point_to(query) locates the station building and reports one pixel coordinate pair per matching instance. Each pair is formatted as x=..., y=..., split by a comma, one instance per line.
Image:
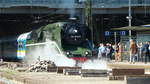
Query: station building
x=19, y=16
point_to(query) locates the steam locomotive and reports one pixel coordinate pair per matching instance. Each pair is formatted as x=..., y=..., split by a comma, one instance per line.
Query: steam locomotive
x=72, y=37
x=76, y=42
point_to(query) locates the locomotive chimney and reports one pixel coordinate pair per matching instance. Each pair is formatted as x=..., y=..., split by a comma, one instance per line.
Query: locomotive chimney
x=73, y=19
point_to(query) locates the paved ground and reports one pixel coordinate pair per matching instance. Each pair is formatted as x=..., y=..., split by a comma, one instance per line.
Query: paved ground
x=53, y=78
x=6, y=81
x=126, y=65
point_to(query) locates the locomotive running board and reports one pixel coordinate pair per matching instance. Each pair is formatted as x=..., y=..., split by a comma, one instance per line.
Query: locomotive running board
x=36, y=44
x=44, y=43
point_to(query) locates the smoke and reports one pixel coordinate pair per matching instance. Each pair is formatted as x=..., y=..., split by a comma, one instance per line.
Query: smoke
x=95, y=64
x=50, y=51
x=70, y=5
x=47, y=51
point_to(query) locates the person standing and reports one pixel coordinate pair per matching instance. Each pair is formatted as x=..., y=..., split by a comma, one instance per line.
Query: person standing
x=101, y=51
x=120, y=51
x=133, y=51
x=146, y=52
x=117, y=53
x=140, y=53
x=109, y=50
x=149, y=48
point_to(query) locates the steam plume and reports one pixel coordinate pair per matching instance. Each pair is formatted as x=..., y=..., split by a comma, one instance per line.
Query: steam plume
x=70, y=5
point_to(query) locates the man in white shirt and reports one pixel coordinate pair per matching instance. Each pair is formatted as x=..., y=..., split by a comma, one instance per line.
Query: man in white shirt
x=101, y=51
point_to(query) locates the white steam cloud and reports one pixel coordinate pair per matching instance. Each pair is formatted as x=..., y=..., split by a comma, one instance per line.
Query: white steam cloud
x=47, y=51
x=70, y=5
x=50, y=51
x=95, y=64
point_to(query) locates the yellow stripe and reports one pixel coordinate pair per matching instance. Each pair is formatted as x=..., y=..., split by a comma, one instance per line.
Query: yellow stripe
x=20, y=50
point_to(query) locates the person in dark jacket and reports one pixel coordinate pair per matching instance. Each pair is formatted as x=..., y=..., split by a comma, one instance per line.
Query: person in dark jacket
x=149, y=47
x=109, y=51
x=145, y=50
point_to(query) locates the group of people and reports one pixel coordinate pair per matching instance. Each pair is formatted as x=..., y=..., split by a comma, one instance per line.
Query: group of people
x=109, y=52
x=105, y=52
x=140, y=51
x=135, y=51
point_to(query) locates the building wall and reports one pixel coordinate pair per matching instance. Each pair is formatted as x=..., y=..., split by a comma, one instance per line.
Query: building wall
x=78, y=3
x=107, y=14
x=45, y=6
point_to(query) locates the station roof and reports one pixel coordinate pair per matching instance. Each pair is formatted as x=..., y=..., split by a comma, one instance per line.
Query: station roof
x=133, y=28
x=148, y=25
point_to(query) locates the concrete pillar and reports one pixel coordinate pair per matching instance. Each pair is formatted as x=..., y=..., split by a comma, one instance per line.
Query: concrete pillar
x=81, y=16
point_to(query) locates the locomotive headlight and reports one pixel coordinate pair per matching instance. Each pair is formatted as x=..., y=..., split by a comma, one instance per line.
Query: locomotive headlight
x=75, y=31
x=86, y=53
x=68, y=53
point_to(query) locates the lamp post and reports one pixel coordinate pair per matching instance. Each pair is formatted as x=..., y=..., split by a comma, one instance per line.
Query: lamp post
x=88, y=17
x=129, y=17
